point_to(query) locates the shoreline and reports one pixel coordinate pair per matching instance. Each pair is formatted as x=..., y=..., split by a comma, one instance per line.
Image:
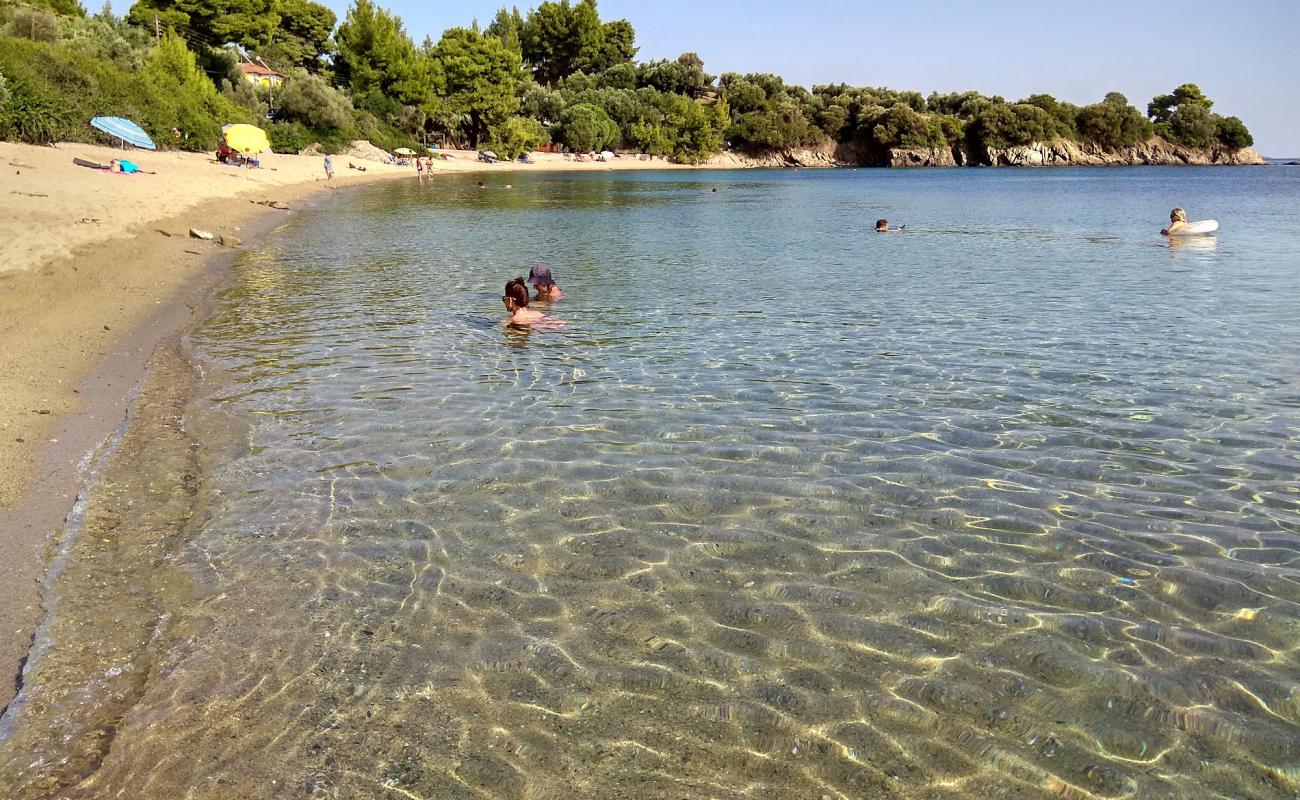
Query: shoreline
x=80, y=320
x=78, y=334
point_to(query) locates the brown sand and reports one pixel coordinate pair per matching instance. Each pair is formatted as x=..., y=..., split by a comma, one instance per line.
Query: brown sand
x=95, y=270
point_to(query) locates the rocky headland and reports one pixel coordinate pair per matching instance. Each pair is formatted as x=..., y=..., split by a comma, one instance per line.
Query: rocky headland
x=1054, y=153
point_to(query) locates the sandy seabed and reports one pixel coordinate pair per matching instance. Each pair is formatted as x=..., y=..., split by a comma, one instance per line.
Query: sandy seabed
x=97, y=268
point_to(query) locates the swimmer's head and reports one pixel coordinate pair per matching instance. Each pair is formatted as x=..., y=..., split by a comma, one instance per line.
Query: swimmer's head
x=516, y=295
x=1178, y=215
x=882, y=224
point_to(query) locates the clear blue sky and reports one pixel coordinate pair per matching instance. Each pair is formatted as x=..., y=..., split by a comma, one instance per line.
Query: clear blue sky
x=1244, y=55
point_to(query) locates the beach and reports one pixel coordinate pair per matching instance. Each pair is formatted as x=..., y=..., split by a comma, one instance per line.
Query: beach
x=96, y=269
x=785, y=505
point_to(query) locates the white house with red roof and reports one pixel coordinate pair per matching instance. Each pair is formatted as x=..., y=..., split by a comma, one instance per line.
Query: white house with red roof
x=260, y=74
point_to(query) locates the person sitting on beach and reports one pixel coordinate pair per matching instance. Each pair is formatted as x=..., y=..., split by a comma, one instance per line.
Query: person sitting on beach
x=516, y=300
x=540, y=277
x=882, y=226
x=1177, y=219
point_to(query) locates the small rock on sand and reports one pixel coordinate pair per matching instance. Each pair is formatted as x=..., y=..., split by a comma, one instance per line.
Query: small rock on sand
x=198, y=234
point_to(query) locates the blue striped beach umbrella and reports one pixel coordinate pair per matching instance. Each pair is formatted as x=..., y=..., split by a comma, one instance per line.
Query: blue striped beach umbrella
x=124, y=129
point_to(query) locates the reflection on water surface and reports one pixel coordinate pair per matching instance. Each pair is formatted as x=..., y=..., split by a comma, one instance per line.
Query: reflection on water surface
x=788, y=510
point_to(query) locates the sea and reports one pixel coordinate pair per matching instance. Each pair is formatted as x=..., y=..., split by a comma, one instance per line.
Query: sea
x=1005, y=504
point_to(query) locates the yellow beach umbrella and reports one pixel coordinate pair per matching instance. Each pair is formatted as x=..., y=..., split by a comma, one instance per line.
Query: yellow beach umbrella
x=246, y=138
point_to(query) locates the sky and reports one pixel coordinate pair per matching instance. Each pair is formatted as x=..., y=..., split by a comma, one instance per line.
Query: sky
x=1244, y=55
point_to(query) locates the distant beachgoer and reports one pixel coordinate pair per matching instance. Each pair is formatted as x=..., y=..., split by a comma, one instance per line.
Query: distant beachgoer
x=329, y=167
x=1177, y=219
x=482, y=185
x=882, y=226
x=419, y=167
x=516, y=300
x=713, y=191
x=122, y=165
x=542, y=280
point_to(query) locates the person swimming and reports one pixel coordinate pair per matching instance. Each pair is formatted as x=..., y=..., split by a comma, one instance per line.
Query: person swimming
x=882, y=226
x=540, y=277
x=1177, y=219
x=516, y=300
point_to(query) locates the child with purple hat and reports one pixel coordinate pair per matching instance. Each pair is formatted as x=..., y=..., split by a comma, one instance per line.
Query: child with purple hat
x=540, y=278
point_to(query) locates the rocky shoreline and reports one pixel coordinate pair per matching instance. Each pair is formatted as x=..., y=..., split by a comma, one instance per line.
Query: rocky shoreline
x=1054, y=153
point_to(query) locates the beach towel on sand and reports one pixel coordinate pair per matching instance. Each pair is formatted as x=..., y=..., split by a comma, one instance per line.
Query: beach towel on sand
x=133, y=168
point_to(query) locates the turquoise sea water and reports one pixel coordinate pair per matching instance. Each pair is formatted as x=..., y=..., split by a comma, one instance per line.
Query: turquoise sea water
x=1005, y=505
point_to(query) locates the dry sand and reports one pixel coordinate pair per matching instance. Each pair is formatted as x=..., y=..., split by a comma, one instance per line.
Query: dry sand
x=95, y=269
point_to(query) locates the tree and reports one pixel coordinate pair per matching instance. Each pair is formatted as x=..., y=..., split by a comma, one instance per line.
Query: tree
x=1002, y=126
x=303, y=37
x=694, y=80
x=200, y=109
x=1062, y=116
x=1162, y=107
x=586, y=128
x=508, y=26
x=619, y=46
x=559, y=39
x=902, y=126
x=1113, y=123
x=67, y=8
x=619, y=76
x=1232, y=133
x=1191, y=125
x=696, y=129
x=477, y=75
x=376, y=59
x=211, y=23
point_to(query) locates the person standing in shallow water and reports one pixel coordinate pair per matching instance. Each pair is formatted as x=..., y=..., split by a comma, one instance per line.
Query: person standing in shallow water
x=540, y=277
x=329, y=166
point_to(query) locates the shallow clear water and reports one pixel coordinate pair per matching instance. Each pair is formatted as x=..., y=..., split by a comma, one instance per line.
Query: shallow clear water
x=1005, y=505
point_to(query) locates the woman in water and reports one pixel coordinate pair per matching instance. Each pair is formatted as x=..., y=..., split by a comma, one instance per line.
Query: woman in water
x=516, y=300
x=540, y=277
x=1177, y=219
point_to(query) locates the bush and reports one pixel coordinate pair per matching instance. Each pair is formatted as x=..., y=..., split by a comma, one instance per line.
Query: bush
x=55, y=90
x=586, y=128
x=243, y=94
x=113, y=40
x=314, y=103
x=289, y=137
x=516, y=136
x=27, y=22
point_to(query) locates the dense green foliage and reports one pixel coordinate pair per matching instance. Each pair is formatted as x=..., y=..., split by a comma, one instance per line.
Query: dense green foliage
x=54, y=90
x=557, y=73
x=1184, y=117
